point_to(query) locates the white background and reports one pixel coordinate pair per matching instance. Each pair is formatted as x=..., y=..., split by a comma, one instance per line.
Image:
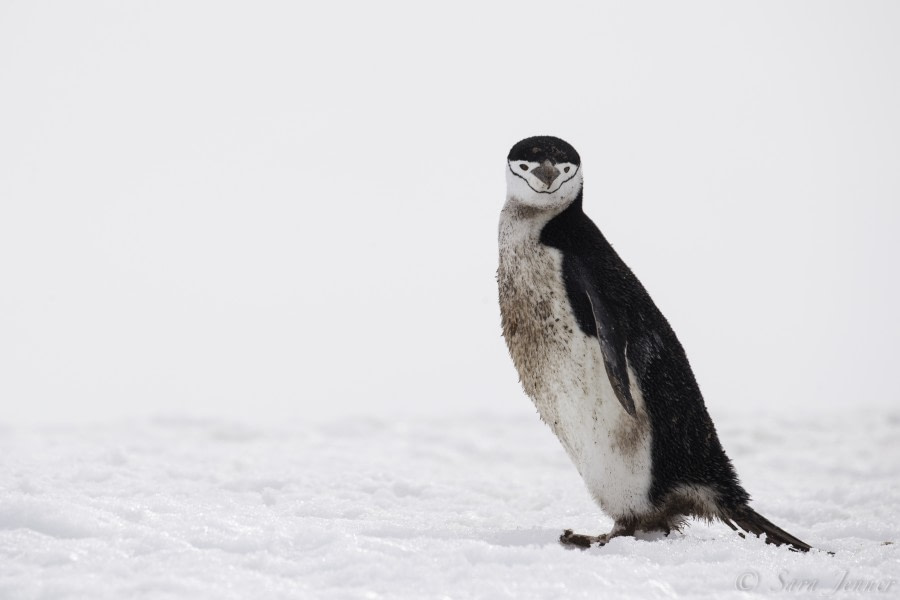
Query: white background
x=267, y=210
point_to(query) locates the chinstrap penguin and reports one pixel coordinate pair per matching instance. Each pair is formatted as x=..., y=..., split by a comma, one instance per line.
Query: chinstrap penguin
x=602, y=364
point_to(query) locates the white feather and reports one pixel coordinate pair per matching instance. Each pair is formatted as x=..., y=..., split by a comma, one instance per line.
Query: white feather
x=561, y=368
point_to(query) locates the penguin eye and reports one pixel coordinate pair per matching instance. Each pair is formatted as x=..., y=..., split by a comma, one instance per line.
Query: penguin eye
x=566, y=170
x=523, y=166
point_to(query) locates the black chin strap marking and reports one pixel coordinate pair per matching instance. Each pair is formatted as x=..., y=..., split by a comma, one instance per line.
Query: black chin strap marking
x=509, y=166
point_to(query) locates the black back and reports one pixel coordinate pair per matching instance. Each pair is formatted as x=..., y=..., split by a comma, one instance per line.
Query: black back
x=685, y=447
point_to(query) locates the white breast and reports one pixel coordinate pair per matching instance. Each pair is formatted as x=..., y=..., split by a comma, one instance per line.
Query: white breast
x=562, y=371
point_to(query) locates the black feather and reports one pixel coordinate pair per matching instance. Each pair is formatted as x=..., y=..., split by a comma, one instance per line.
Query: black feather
x=752, y=522
x=685, y=448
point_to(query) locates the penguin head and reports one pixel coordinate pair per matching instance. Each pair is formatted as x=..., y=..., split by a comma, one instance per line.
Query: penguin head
x=543, y=173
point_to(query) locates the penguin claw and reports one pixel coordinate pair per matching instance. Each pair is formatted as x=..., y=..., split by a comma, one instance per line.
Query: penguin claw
x=570, y=538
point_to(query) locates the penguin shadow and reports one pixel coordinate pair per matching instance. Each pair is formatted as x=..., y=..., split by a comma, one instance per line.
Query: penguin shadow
x=523, y=537
x=508, y=538
x=574, y=541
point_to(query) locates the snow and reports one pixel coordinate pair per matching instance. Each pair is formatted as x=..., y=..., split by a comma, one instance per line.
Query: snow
x=427, y=507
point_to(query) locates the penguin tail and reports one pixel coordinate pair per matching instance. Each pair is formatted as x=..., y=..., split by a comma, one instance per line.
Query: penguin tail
x=749, y=520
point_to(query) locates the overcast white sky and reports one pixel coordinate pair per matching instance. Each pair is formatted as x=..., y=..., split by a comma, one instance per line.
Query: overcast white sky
x=272, y=210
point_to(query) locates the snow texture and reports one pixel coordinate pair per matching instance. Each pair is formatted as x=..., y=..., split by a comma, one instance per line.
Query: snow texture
x=426, y=508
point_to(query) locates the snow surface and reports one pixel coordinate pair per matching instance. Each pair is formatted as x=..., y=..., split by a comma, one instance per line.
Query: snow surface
x=426, y=508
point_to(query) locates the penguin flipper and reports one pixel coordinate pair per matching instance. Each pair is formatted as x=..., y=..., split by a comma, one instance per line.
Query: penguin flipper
x=612, y=346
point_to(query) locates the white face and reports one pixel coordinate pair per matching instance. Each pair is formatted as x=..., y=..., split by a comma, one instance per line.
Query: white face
x=543, y=186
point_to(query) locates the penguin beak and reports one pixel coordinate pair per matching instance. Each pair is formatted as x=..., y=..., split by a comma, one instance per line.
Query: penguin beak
x=546, y=173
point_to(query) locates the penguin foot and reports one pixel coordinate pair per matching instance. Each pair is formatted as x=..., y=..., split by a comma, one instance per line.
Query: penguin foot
x=570, y=538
